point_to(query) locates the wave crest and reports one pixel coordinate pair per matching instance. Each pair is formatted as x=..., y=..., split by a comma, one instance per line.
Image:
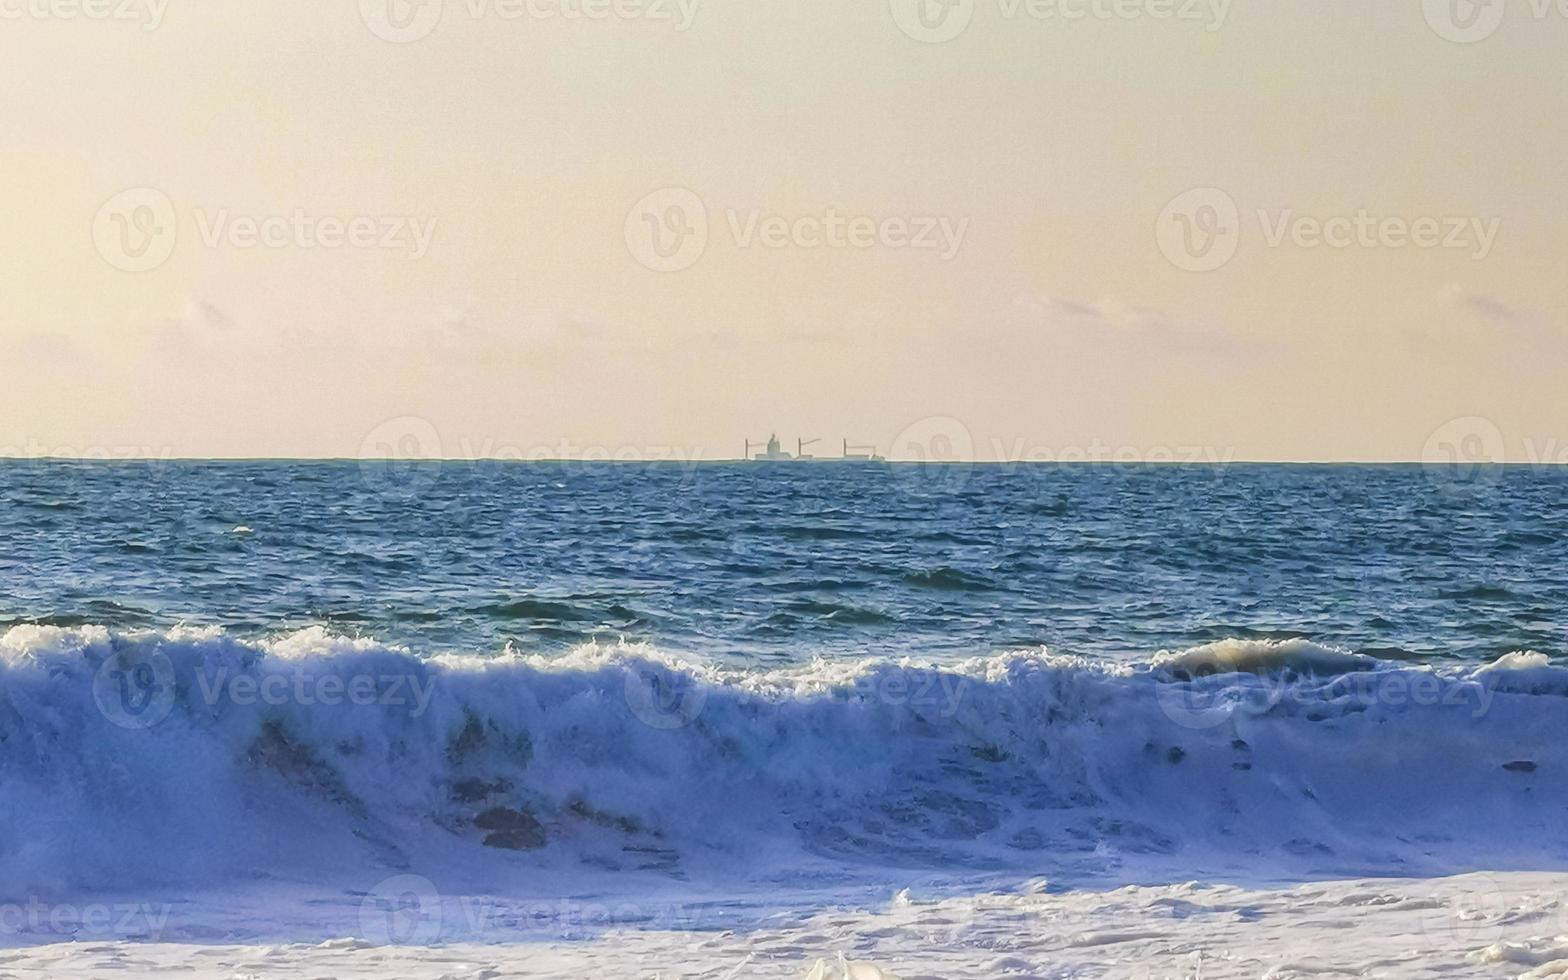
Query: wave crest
x=191, y=755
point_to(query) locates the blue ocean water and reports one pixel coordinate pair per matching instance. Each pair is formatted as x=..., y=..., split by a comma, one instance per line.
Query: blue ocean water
x=772, y=564
x=568, y=679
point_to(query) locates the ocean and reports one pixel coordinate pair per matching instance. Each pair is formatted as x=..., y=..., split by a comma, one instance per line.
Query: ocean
x=779, y=720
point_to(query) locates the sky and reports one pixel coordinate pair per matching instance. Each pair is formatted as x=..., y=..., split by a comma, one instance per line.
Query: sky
x=988, y=229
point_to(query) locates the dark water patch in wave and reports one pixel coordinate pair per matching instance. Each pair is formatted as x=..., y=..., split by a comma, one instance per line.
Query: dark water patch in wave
x=820, y=532
x=1519, y=539
x=627, y=615
x=101, y=612
x=817, y=585
x=418, y=615
x=690, y=534
x=355, y=616
x=1485, y=593
x=66, y=505
x=540, y=609
x=952, y=537
x=839, y=613
x=949, y=580
x=1058, y=508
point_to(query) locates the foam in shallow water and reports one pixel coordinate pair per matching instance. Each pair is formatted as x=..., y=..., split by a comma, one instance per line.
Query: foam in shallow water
x=1503, y=925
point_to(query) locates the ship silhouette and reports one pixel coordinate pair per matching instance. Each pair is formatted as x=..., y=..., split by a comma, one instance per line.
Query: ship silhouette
x=776, y=453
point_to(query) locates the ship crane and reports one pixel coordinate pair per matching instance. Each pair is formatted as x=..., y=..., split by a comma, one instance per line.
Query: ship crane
x=861, y=454
x=800, y=447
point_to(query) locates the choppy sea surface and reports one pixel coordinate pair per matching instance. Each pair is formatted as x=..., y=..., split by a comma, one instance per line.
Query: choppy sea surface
x=749, y=688
x=775, y=564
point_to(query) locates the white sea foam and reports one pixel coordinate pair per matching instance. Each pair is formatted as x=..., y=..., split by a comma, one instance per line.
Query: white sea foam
x=189, y=758
x=1476, y=926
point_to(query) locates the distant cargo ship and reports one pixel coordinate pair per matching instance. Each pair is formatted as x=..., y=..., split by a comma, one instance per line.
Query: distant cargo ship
x=775, y=453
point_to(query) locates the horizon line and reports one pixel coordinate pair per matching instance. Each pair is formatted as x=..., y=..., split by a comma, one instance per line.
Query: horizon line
x=792, y=463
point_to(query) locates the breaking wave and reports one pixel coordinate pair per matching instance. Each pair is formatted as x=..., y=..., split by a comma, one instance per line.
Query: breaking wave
x=191, y=756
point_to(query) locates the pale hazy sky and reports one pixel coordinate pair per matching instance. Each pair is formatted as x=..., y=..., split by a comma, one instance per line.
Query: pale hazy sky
x=971, y=225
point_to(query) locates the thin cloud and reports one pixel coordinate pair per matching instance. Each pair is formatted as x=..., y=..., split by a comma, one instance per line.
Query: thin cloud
x=1487, y=307
x=1121, y=322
